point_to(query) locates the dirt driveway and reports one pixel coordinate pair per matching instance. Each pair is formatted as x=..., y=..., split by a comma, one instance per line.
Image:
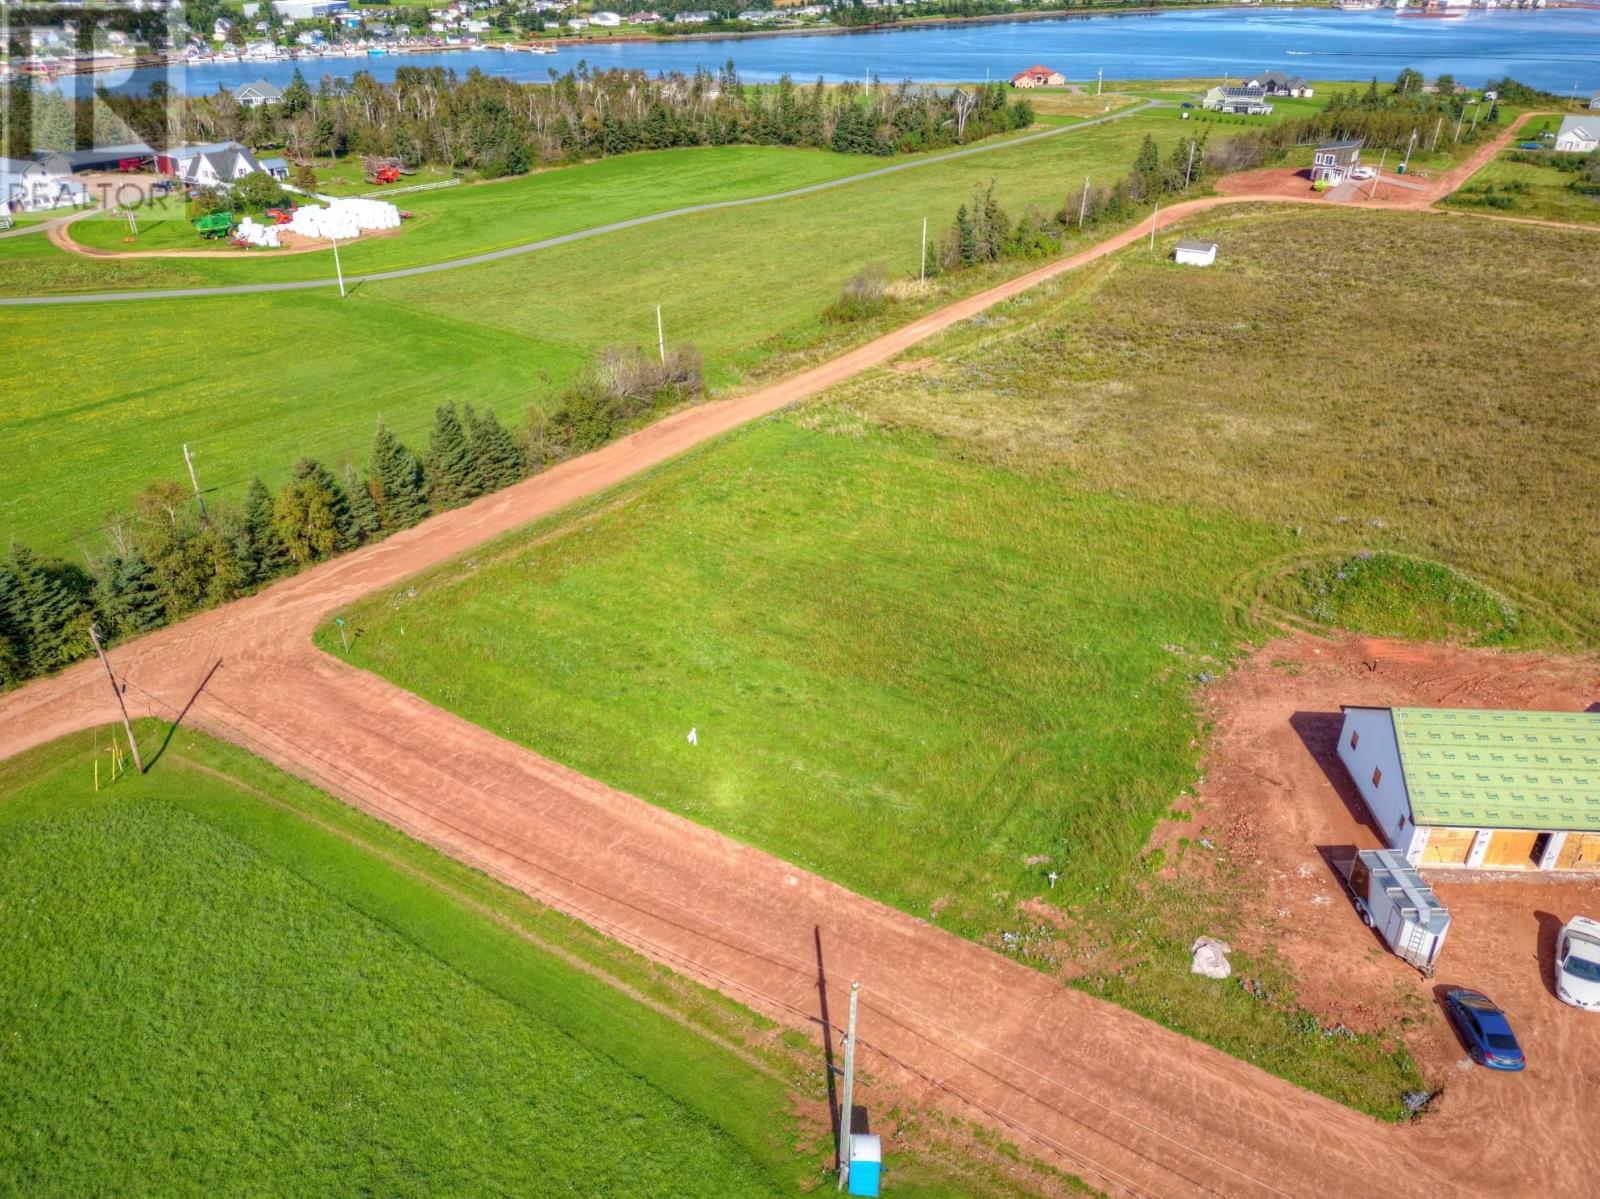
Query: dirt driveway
x=1276, y=794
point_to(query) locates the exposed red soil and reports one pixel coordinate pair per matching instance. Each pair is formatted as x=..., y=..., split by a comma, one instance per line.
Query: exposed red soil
x=1133, y=1108
x=1278, y=799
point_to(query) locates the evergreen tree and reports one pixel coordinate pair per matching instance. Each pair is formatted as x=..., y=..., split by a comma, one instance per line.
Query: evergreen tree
x=966, y=238
x=337, y=501
x=130, y=596
x=1147, y=168
x=453, y=474
x=260, y=549
x=364, y=522
x=399, y=487
x=56, y=612
x=499, y=456
x=13, y=633
x=297, y=96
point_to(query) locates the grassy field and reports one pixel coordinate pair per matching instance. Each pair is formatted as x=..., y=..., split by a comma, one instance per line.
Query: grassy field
x=1526, y=190
x=944, y=631
x=253, y=382
x=217, y=979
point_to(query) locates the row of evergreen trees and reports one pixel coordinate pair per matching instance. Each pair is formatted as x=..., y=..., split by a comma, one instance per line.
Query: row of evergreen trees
x=496, y=126
x=171, y=557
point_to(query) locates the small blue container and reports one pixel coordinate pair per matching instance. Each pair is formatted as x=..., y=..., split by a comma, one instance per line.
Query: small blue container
x=866, y=1163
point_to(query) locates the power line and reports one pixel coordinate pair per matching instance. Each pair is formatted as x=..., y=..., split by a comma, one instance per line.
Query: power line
x=803, y=967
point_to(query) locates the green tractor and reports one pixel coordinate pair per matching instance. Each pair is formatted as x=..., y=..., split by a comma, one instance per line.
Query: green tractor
x=215, y=224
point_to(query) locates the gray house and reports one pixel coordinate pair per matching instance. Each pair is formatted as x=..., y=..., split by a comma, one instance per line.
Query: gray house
x=257, y=94
x=1334, y=161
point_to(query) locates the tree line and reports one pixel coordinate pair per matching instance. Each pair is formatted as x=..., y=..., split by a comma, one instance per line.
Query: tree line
x=173, y=555
x=498, y=127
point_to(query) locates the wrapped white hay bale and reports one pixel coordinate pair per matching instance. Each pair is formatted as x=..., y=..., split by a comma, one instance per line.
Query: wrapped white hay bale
x=254, y=234
x=344, y=218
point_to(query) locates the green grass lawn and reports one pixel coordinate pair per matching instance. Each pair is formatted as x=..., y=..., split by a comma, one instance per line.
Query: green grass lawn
x=458, y=221
x=251, y=384
x=254, y=382
x=945, y=631
x=216, y=979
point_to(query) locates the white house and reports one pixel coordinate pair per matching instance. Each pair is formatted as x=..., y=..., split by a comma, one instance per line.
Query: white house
x=1578, y=135
x=577, y=23
x=29, y=186
x=216, y=165
x=605, y=20
x=1249, y=101
x=1594, y=101
x=1195, y=253
x=1479, y=788
x=258, y=94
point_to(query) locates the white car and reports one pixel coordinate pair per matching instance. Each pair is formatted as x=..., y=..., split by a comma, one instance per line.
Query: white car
x=1364, y=173
x=1578, y=963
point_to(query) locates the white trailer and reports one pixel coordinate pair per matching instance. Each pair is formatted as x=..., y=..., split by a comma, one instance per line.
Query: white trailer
x=1392, y=898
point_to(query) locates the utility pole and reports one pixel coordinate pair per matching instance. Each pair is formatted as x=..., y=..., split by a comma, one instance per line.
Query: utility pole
x=1476, y=109
x=922, y=267
x=1437, y=125
x=133, y=224
x=127, y=725
x=1083, y=204
x=1459, y=119
x=1188, y=170
x=194, y=481
x=1100, y=86
x=1382, y=158
x=1405, y=165
x=847, y=1097
x=1153, y=213
x=338, y=270
x=661, y=335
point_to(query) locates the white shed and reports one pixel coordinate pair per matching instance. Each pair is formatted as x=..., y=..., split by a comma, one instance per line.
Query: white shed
x=1195, y=253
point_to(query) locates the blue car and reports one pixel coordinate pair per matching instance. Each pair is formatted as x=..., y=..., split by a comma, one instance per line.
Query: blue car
x=1485, y=1029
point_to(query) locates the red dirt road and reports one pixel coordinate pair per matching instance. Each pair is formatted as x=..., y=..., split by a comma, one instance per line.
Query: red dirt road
x=1131, y=1107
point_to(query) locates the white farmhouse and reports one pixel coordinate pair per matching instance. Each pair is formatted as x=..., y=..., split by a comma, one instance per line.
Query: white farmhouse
x=1578, y=135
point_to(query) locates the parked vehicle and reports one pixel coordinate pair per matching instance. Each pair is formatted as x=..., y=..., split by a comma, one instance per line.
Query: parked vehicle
x=1364, y=173
x=1578, y=963
x=1485, y=1029
x=1392, y=899
x=1530, y=146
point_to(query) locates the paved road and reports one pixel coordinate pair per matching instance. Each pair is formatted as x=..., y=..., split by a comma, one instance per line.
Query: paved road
x=1132, y=1107
x=533, y=247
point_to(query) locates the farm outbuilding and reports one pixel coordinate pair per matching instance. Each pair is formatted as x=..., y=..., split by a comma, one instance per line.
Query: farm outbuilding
x=1191, y=252
x=1483, y=789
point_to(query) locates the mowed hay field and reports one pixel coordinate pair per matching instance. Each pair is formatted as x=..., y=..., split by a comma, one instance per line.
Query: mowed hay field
x=216, y=979
x=945, y=630
x=100, y=398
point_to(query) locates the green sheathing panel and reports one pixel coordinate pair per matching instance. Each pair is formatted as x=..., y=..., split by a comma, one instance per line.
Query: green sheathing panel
x=1488, y=769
